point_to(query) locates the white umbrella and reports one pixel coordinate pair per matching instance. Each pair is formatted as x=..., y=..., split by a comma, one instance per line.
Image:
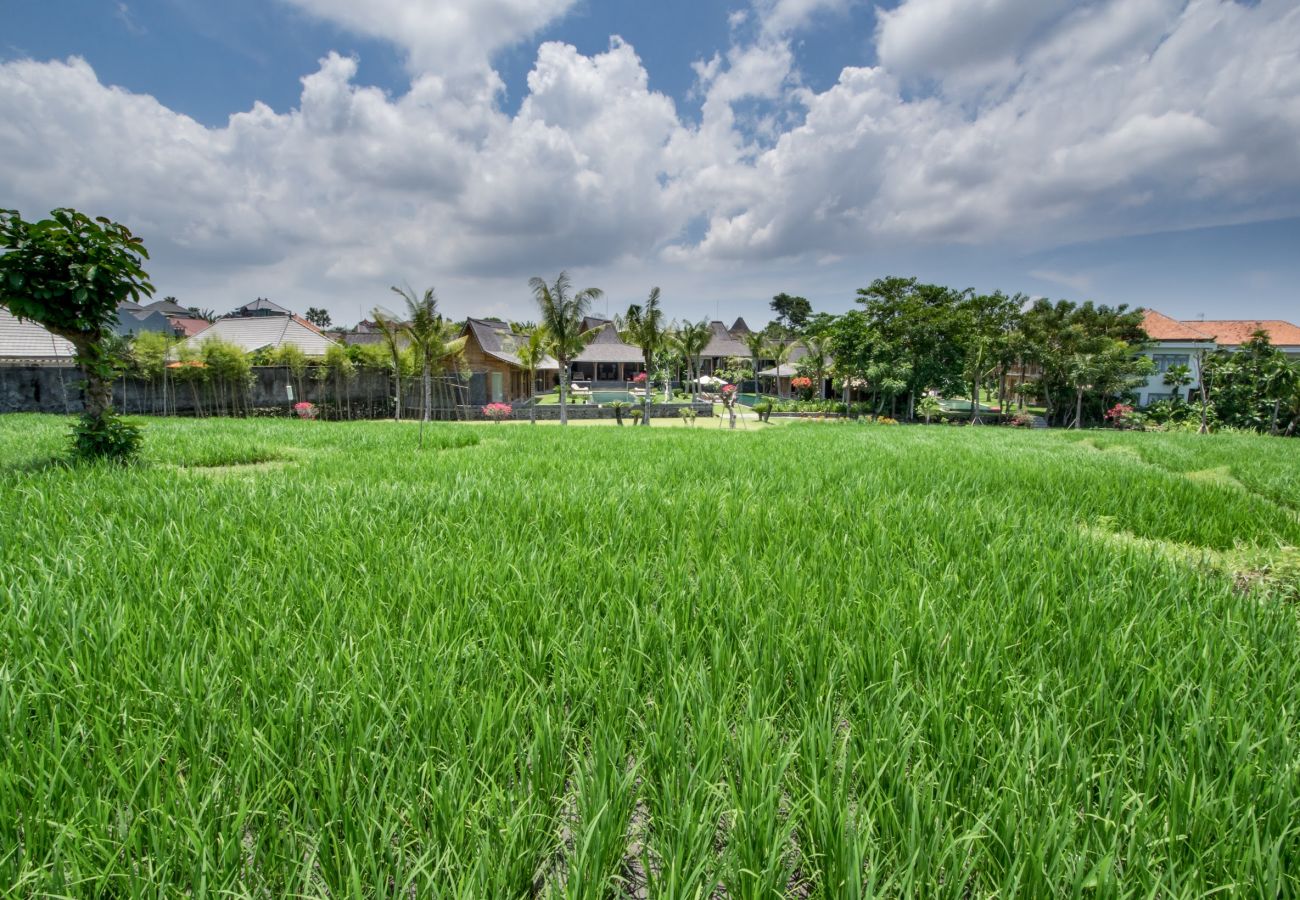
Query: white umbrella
x=709, y=379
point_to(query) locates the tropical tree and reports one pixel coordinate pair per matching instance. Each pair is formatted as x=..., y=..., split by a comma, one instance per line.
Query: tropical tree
x=691, y=340
x=392, y=332
x=779, y=353
x=756, y=344
x=562, y=311
x=531, y=352
x=68, y=273
x=318, y=316
x=815, y=362
x=1178, y=377
x=792, y=312
x=430, y=336
x=645, y=326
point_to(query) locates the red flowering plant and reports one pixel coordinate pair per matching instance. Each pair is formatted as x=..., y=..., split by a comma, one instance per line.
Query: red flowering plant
x=803, y=384
x=1119, y=414
x=305, y=410
x=497, y=411
x=639, y=378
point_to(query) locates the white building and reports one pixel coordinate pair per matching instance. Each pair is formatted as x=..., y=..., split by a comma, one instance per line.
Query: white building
x=1173, y=343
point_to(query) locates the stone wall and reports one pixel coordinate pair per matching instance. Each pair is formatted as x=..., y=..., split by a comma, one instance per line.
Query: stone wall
x=551, y=412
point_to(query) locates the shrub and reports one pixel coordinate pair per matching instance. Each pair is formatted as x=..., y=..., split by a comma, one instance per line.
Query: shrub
x=497, y=411
x=620, y=408
x=107, y=437
x=639, y=378
x=764, y=410
x=636, y=414
x=687, y=414
x=1022, y=420
x=305, y=410
x=1118, y=415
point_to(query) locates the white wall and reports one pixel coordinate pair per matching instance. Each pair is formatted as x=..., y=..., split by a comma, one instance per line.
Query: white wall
x=1169, y=353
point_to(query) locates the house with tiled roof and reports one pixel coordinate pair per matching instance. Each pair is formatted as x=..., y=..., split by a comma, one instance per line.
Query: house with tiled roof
x=724, y=344
x=269, y=332
x=496, y=374
x=608, y=358
x=1187, y=342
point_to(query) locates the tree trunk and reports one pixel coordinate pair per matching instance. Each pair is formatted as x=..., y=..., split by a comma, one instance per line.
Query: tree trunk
x=532, y=397
x=1078, y=408
x=649, y=391
x=1205, y=408
x=397, y=406
x=1277, y=407
x=564, y=392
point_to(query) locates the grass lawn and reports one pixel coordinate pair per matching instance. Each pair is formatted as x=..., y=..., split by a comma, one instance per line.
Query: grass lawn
x=300, y=658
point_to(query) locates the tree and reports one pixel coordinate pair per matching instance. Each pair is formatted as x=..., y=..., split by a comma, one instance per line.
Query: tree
x=814, y=363
x=646, y=330
x=1178, y=377
x=531, y=352
x=793, y=312
x=691, y=340
x=68, y=273
x=990, y=321
x=429, y=334
x=779, y=353
x=391, y=332
x=318, y=316
x=205, y=314
x=562, y=311
x=756, y=344
x=1249, y=386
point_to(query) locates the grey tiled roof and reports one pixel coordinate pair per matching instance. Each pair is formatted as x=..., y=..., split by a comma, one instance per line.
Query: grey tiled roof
x=608, y=347
x=723, y=344
x=498, y=341
x=25, y=340
x=256, y=332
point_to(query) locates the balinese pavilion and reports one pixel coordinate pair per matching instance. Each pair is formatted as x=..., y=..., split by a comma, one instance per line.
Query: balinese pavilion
x=608, y=361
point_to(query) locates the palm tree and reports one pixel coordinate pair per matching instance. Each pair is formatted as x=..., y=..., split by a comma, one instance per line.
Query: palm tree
x=757, y=345
x=562, y=314
x=391, y=331
x=815, y=360
x=645, y=327
x=779, y=353
x=691, y=340
x=430, y=334
x=531, y=352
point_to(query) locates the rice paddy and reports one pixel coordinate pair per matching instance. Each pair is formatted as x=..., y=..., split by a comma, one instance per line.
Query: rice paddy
x=288, y=658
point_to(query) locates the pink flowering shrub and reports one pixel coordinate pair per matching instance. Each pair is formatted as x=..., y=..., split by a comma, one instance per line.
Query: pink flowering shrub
x=639, y=378
x=1118, y=415
x=304, y=410
x=497, y=411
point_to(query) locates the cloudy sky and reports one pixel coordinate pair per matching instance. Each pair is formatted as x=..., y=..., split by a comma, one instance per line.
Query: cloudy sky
x=316, y=151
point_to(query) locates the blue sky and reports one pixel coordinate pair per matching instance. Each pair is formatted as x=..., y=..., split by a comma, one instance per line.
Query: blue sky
x=1134, y=151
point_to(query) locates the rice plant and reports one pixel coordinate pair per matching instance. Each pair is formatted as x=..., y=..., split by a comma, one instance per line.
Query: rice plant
x=284, y=658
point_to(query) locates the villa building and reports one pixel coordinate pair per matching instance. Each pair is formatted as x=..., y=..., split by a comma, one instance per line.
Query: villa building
x=496, y=375
x=608, y=360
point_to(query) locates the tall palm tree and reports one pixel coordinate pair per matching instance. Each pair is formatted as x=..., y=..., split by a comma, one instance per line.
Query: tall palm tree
x=430, y=334
x=691, y=339
x=645, y=327
x=779, y=353
x=391, y=331
x=757, y=345
x=531, y=352
x=815, y=359
x=562, y=312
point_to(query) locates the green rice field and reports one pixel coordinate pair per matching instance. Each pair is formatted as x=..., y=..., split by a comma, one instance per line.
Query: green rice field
x=304, y=659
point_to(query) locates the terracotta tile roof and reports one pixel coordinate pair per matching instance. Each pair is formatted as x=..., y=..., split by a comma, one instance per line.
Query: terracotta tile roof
x=1235, y=332
x=1160, y=327
x=189, y=327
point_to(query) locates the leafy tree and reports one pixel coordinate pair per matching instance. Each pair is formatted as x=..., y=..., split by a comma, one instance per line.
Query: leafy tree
x=779, y=353
x=814, y=363
x=645, y=326
x=1248, y=387
x=793, y=312
x=206, y=315
x=990, y=323
x=1178, y=377
x=318, y=316
x=69, y=273
x=562, y=311
x=431, y=338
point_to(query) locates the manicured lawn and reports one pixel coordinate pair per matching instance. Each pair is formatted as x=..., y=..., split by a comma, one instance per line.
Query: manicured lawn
x=293, y=658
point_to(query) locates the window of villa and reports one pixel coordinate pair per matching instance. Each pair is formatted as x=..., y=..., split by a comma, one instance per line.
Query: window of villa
x=1166, y=361
x=498, y=393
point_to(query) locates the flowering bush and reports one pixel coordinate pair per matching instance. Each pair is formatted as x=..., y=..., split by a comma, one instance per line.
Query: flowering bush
x=1022, y=420
x=639, y=378
x=497, y=411
x=1119, y=414
x=304, y=410
x=803, y=384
